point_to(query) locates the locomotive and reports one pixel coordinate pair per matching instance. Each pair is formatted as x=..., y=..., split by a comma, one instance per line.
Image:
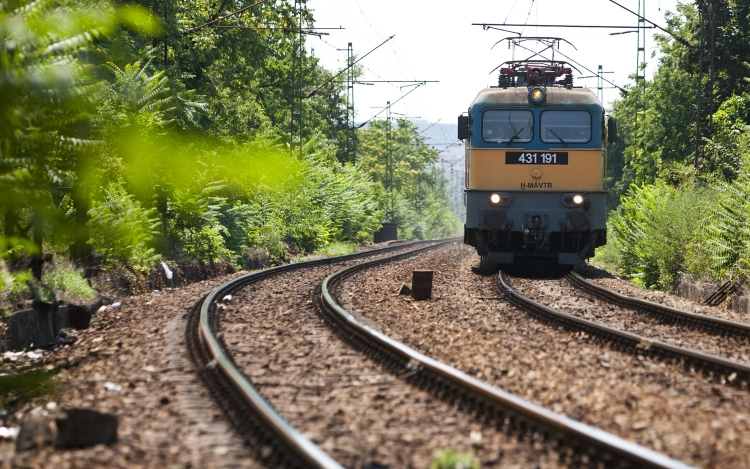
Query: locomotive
x=536, y=165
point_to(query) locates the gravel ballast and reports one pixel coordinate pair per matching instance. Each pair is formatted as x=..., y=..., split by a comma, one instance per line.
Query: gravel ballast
x=349, y=405
x=132, y=363
x=652, y=403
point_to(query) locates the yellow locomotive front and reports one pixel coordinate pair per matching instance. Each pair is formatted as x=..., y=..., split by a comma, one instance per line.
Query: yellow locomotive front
x=535, y=169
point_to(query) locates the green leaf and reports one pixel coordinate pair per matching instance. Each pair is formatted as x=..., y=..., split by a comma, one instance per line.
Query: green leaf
x=139, y=19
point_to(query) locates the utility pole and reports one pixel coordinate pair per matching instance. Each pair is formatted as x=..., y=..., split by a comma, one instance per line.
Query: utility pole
x=294, y=115
x=707, y=52
x=297, y=118
x=640, y=76
x=301, y=74
x=389, y=159
x=350, y=151
x=600, y=84
x=640, y=63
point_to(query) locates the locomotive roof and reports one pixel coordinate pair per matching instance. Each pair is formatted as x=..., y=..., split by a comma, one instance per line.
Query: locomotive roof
x=520, y=96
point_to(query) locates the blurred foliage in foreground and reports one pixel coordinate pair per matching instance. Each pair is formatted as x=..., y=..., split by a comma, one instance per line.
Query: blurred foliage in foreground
x=674, y=217
x=129, y=137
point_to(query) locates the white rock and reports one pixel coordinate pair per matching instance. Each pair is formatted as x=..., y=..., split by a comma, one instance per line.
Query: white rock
x=110, y=386
x=8, y=433
x=167, y=272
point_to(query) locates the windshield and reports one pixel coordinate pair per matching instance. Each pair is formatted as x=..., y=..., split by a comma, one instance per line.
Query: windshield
x=566, y=126
x=502, y=126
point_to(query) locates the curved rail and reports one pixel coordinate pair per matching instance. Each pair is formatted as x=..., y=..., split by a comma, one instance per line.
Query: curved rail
x=666, y=313
x=734, y=372
x=489, y=400
x=306, y=452
x=302, y=446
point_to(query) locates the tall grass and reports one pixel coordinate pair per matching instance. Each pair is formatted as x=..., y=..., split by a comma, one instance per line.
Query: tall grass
x=654, y=227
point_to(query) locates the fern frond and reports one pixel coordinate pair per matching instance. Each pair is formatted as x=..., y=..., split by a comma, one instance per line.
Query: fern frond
x=71, y=44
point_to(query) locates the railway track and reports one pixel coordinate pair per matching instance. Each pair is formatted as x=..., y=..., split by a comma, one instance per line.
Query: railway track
x=508, y=411
x=273, y=440
x=639, y=397
x=718, y=368
x=665, y=314
x=277, y=443
x=350, y=406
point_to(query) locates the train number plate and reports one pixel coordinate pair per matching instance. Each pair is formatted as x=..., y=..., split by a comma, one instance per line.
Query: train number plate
x=536, y=157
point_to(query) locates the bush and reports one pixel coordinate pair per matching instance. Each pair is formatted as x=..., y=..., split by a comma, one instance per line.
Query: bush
x=676, y=224
x=722, y=248
x=652, y=228
x=607, y=256
x=68, y=279
x=122, y=230
x=631, y=227
x=13, y=287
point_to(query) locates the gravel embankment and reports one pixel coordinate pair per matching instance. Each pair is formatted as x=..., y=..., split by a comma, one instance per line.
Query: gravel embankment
x=652, y=403
x=559, y=294
x=166, y=418
x=347, y=404
x=606, y=279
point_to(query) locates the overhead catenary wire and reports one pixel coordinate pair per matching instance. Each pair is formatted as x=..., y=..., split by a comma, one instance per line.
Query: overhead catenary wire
x=531, y=7
x=234, y=13
x=677, y=37
x=593, y=26
x=361, y=20
x=363, y=66
x=511, y=10
x=419, y=134
x=373, y=73
x=454, y=88
x=314, y=91
x=389, y=106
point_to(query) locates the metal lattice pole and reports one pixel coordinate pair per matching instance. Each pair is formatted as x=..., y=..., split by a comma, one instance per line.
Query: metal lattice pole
x=640, y=70
x=706, y=54
x=350, y=152
x=389, y=162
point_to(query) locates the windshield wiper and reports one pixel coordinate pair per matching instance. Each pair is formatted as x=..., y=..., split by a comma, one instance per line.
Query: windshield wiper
x=555, y=134
x=517, y=133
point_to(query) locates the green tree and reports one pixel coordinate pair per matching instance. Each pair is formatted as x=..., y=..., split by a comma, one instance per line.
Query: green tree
x=414, y=191
x=45, y=93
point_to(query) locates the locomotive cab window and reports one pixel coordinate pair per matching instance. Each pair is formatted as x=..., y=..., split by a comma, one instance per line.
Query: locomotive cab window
x=507, y=126
x=566, y=127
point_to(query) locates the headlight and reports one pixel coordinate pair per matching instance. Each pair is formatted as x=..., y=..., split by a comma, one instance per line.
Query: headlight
x=537, y=95
x=501, y=199
x=574, y=199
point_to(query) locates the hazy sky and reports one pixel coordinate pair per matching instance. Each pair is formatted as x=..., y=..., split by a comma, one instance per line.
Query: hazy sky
x=435, y=40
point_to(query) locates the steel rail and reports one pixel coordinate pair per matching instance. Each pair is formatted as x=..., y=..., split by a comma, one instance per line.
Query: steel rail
x=664, y=312
x=305, y=450
x=734, y=372
x=484, y=395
